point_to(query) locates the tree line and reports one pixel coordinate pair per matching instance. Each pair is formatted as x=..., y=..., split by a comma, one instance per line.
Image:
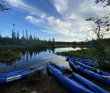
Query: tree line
x=25, y=40
x=29, y=40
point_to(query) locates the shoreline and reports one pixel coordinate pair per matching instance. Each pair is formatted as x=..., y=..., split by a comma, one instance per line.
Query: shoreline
x=37, y=83
x=41, y=83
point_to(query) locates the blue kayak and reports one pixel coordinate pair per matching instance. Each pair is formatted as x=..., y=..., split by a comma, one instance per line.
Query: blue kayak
x=16, y=75
x=91, y=72
x=84, y=61
x=72, y=81
x=85, y=66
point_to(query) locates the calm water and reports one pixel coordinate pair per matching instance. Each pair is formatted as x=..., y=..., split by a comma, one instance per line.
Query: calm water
x=32, y=59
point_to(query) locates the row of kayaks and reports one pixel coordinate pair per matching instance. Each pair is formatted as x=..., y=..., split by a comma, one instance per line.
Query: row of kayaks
x=70, y=80
x=99, y=75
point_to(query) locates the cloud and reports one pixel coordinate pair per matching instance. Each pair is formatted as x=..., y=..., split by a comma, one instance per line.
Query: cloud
x=74, y=13
x=72, y=20
x=57, y=26
x=23, y=6
x=61, y=5
x=33, y=20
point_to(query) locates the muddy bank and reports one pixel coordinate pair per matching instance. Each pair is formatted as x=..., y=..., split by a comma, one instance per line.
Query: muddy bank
x=40, y=83
x=37, y=83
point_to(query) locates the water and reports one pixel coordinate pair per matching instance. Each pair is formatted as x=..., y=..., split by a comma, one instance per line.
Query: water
x=38, y=58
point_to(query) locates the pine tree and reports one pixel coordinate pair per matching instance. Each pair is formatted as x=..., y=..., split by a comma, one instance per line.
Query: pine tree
x=53, y=40
x=12, y=34
x=0, y=37
x=17, y=35
x=34, y=37
x=23, y=34
x=26, y=35
x=30, y=38
x=49, y=42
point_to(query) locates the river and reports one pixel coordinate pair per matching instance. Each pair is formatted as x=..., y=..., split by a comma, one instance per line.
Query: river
x=35, y=58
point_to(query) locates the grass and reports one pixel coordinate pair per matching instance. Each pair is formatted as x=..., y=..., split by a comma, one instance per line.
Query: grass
x=84, y=54
x=89, y=53
x=11, y=47
x=9, y=55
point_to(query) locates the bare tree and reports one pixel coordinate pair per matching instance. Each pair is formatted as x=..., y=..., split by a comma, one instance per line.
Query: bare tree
x=101, y=27
x=107, y=2
x=4, y=5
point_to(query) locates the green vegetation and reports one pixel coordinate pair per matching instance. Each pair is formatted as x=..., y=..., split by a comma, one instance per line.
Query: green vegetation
x=101, y=27
x=89, y=53
x=25, y=41
x=9, y=56
x=84, y=53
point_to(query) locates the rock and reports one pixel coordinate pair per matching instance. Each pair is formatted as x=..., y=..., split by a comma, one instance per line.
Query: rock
x=24, y=89
x=33, y=92
x=46, y=88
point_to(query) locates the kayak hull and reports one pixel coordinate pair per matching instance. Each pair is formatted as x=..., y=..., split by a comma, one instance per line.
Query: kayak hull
x=72, y=81
x=87, y=71
x=9, y=77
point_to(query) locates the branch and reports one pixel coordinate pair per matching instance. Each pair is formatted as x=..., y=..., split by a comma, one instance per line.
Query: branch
x=107, y=2
x=105, y=16
x=3, y=5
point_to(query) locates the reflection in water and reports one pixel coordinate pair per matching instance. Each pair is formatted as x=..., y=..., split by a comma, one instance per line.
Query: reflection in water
x=38, y=57
x=53, y=50
x=27, y=56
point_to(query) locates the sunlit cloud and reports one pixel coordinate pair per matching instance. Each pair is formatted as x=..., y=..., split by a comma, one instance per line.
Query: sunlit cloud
x=72, y=20
x=61, y=5
x=33, y=20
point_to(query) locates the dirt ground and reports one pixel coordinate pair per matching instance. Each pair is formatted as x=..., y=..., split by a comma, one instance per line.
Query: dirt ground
x=40, y=83
x=35, y=84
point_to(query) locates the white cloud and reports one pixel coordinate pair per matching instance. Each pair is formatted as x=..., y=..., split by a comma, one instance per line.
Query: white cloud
x=33, y=20
x=56, y=26
x=61, y=5
x=72, y=21
x=23, y=6
x=72, y=40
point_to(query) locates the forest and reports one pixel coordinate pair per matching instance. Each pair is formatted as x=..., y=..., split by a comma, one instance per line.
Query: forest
x=29, y=40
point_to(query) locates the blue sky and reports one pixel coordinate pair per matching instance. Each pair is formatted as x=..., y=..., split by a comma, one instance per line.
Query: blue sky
x=63, y=20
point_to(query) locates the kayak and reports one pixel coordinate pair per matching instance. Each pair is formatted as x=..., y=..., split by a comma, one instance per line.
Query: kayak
x=9, y=77
x=72, y=81
x=85, y=66
x=89, y=62
x=96, y=74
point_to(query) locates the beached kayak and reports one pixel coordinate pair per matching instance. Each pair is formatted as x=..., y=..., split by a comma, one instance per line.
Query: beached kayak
x=86, y=66
x=96, y=74
x=16, y=75
x=72, y=81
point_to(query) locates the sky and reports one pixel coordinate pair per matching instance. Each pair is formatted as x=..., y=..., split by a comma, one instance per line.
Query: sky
x=63, y=20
